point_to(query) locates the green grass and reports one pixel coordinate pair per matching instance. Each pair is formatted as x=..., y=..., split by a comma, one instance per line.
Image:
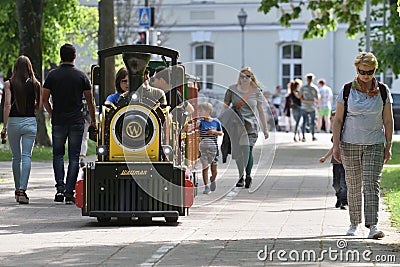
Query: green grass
x=41, y=153
x=391, y=185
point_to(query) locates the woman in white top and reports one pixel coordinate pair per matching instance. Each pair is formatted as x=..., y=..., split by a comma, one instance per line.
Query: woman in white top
x=365, y=142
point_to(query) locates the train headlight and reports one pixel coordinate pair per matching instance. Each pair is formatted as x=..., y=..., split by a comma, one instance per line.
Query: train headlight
x=167, y=151
x=134, y=97
x=101, y=150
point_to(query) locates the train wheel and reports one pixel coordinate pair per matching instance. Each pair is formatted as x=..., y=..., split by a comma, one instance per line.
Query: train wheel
x=103, y=219
x=171, y=219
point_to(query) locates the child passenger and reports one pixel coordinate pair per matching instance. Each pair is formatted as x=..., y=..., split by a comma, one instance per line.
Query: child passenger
x=339, y=181
x=210, y=128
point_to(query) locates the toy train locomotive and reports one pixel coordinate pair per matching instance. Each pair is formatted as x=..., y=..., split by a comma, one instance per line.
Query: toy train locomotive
x=144, y=149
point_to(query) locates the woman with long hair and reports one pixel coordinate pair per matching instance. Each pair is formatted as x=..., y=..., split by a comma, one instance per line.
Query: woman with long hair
x=294, y=105
x=246, y=96
x=22, y=99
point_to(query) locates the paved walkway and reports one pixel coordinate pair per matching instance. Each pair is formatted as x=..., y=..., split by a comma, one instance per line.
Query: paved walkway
x=289, y=213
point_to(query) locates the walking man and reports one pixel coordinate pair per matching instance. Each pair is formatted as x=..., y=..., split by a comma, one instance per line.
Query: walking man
x=309, y=98
x=324, y=106
x=66, y=84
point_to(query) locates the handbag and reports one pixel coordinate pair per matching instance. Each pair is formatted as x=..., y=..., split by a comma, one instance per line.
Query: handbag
x=231, y=116
x=238, y=113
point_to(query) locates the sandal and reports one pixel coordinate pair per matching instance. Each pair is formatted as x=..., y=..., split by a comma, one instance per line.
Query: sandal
x=22, y=197
x=16, y=195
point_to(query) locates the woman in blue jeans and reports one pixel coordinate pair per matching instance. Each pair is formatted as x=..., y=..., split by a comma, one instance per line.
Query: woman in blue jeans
x=22, y=99
x=294, y=104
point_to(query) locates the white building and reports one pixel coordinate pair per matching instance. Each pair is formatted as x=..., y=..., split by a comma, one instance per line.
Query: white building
x=208, y=32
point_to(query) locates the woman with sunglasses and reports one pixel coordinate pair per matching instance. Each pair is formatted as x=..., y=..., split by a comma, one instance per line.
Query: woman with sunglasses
x=121, y=85
x=247, y=97
x=362, y=141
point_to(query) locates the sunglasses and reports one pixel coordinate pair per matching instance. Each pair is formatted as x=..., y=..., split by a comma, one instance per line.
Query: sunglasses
x=366, y=72
x=124, y=81
x=244, y=76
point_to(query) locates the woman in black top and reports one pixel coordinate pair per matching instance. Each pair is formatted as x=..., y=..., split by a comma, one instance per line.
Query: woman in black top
x=294, y=104
x=22, y=99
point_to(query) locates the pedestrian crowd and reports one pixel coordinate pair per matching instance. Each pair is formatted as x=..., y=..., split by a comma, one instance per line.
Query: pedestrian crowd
x=307, y=108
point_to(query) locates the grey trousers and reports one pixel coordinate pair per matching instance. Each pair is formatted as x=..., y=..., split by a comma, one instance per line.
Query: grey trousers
x=363, y=165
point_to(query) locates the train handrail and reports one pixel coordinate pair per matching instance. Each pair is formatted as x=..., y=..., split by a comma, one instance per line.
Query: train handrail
x=151, y=49
x=117, y=50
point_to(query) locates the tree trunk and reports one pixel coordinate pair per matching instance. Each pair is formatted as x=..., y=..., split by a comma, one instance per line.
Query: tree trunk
x=29, y=17
x=107, y=39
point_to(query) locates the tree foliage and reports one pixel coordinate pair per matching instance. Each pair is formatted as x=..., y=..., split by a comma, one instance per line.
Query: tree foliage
x=63, y=21
x=385, y=39
x=398, y=6
x=326, y=15
x=37, y=28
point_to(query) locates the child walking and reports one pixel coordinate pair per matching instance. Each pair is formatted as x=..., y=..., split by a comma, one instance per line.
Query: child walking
x=210, y=128
x=339, y=181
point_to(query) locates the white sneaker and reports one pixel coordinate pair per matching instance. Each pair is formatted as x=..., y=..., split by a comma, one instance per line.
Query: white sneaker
x=352, y=230
x=374, y=233
x=206, y=190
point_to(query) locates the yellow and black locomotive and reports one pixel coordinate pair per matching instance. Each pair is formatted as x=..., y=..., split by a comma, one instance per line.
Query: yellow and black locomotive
x=142, y=149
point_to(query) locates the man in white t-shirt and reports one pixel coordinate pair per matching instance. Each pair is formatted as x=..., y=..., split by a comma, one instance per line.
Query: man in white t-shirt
x=277, y=102
x=324, y=105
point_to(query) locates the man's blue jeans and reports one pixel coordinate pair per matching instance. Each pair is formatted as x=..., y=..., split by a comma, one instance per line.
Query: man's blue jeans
x=60, y=133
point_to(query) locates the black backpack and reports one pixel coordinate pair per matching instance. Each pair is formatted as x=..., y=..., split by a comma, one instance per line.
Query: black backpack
x=346, y=92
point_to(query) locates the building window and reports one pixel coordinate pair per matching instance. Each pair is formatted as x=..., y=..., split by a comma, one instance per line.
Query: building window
x=204, y=68
x=291, y=63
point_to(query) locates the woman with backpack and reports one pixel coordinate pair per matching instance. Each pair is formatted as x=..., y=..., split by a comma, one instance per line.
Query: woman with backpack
x=362, y=140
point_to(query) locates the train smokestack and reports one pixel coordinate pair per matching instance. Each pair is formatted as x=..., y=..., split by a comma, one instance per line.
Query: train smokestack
x=136, y=64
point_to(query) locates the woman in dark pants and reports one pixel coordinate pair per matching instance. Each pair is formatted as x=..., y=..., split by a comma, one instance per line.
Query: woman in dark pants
x=246, y=94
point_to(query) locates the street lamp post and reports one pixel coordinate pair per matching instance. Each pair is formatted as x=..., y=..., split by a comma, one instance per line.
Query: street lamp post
x=242, y=17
